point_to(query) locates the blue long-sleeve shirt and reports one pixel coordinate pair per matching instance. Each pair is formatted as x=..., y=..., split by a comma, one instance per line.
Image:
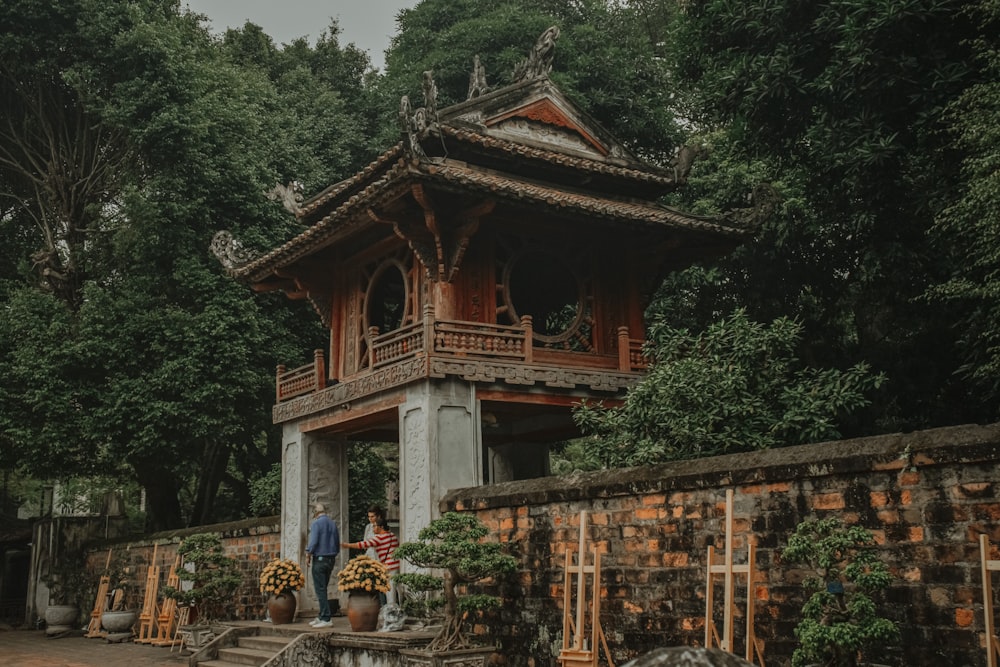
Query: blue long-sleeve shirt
x=324, y=537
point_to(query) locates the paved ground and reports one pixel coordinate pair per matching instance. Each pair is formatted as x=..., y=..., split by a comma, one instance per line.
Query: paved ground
x=32, y=648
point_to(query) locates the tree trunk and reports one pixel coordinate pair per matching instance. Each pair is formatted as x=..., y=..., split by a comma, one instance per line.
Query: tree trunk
x=163, y=508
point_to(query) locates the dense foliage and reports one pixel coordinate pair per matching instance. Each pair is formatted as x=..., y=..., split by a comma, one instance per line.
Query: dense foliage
x=735, y=387
x=130, y=135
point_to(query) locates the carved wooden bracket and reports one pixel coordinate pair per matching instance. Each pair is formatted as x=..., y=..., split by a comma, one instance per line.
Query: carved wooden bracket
x=440, y=245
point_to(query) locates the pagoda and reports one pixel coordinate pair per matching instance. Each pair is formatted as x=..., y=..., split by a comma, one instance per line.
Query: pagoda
x=478, y=279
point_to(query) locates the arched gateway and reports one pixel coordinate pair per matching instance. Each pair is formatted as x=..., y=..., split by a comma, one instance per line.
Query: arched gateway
x=478, y=279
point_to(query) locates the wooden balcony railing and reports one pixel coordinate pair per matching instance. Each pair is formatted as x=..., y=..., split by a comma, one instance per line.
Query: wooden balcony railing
x=302, y=380
x=471, y=339
x=630, y=355
x=449, y=338
x=396, y=345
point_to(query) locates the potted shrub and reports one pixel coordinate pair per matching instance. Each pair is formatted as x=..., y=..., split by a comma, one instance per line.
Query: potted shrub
x=123, y=608
x=279, y=580
x=213, y=577
x=839, y=620
x=453, y=545
x=69, y=588
x=363, y=578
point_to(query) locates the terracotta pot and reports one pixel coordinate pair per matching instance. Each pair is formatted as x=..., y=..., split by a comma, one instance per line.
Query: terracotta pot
x=362, y=611
x=119, y=621
x=281, y=607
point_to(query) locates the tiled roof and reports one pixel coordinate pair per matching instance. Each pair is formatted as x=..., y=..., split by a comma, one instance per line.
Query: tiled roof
x=351, y=213
x=332, y=192
x=512, y=189
x=522, y=151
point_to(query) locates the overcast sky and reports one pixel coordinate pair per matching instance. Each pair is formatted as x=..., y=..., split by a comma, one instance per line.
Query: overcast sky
x=368, y=23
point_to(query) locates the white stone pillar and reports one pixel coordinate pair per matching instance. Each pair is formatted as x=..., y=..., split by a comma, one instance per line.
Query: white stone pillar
x=440, y=449
x=313, y=470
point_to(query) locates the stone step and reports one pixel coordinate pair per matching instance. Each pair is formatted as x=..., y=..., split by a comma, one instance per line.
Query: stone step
x=244, y=656
x=272, y=643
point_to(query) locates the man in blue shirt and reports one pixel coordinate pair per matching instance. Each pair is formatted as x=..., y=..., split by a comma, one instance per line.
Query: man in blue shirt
x=324, y=545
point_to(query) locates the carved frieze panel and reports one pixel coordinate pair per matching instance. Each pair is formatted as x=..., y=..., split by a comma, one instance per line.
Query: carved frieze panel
x=379, y=380
x=522, y=374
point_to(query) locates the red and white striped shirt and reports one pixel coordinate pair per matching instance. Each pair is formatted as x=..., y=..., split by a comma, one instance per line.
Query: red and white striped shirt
x=385, y=547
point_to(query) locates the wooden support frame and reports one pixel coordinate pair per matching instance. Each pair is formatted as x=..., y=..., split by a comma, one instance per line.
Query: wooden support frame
x=582, y=651
x=101, y=603
x=180, y=636
x=147, y=617
x=728, y=570
x=988, y=567
x=165, y=619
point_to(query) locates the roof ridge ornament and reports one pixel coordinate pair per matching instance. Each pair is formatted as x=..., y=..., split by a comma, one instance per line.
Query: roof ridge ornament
x=477, y=79
x=290, y=195
x=539, y=60
x=229, y=251
x=415, y=123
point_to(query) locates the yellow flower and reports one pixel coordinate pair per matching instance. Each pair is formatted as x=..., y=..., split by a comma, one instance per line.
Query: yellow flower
x=281, y=575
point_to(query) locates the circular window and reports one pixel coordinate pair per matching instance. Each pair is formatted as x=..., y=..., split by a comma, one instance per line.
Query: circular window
x=385, y=303
x=540, y=284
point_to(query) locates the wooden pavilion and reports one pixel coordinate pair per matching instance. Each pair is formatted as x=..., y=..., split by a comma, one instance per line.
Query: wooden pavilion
x=478, y=279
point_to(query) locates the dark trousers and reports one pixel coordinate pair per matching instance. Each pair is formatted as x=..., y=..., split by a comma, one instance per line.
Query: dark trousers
x=322, y=568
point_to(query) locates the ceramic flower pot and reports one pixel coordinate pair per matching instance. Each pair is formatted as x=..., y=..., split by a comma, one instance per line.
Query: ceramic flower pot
x=362, y=611
x=281, y=607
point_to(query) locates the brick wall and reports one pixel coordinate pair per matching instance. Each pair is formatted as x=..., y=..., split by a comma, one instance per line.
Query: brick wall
x=927, y=496
x=252, y=543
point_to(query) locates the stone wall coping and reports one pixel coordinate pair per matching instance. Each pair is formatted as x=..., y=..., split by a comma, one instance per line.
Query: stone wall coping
x=896, y=451
x=229, y=529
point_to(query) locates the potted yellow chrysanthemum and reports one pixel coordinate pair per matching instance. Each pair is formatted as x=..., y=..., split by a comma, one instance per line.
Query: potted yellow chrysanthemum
x=279, y=579
x=363, y=578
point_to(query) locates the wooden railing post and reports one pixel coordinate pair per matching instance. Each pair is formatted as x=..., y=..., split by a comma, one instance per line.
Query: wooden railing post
x=372, y=335
x=277, y=382
x=529, y=338
x=624, y=350
x=319, y=364
x=428, y=329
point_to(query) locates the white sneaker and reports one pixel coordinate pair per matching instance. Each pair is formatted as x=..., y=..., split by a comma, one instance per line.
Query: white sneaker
x=322, y=624
x=314, y=622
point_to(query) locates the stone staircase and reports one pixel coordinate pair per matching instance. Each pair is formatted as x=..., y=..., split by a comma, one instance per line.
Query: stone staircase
x=254, y=650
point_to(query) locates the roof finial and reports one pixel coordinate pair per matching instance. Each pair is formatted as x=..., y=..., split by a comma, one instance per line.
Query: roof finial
x=539, y=60
x=477, y=79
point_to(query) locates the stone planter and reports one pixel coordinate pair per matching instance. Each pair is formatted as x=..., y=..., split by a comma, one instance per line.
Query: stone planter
x=61, y=618
x=478, y=656
x=119, y=621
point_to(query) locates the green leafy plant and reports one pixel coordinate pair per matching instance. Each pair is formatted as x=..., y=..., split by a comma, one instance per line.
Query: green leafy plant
x=454, y=544
x=214, y=577
x=69, y=581
x=737, y=386
x=840, y=619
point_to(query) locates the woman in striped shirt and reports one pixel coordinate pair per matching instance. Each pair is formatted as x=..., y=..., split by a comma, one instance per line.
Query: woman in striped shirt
x=384, y=542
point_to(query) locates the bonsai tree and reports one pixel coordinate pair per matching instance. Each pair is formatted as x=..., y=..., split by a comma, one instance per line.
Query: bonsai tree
x=214, y=577
x=453, y=544
x=839, y=620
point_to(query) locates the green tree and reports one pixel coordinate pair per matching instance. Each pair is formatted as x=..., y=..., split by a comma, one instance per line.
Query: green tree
x=840, y=105
x=967, y=228
x=602, y=61
x=735, y=387
x=154, y=365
